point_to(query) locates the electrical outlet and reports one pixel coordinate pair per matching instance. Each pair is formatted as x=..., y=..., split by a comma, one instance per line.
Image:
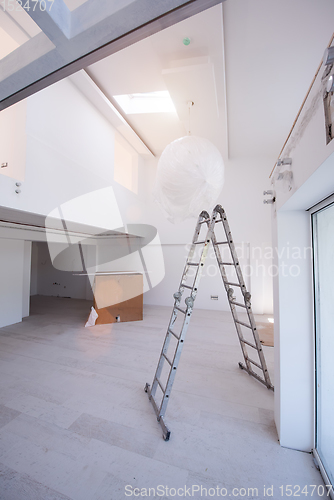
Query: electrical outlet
x=214, y=297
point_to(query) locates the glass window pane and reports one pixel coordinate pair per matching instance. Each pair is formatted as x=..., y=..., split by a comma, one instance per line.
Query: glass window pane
x=323, y=234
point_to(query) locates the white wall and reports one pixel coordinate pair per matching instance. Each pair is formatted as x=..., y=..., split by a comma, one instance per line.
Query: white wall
x=295, y=365
x=58, y=283
x=34, y=268
x=63, y=149
x=69, y=152
x=313, y=180
x=26, y=279
x=250, y=225
x=13, y=141
x=11, y=284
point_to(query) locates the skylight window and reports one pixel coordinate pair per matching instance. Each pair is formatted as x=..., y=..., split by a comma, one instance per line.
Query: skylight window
x=148, y=102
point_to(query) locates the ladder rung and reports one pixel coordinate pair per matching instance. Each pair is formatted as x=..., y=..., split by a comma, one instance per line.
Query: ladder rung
x=243, y=324
x=199, y=242
x=226, y=263
x=255, y=375
x=205, y=220
x=238, y=304
x=248, y=343
x=181, y=310
x=173, y=333
x=187, y=286
x=161, y=386
x=254, y=363
x=167, y=359
x=232, y=284
x=221, y=243
x=193, y=263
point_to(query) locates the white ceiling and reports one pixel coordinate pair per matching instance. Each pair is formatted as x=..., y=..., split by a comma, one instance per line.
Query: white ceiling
x=190, y=73
x=272, y=50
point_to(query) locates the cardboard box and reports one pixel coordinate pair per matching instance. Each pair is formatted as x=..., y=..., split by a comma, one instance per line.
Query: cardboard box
x=118, y=297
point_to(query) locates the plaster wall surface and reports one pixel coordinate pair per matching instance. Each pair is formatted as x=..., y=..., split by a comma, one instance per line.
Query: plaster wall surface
x=313, y=181
x=59, y=283
x=34, y=268
x=26, y=279
x=249, y=221
x=11, y=284
x=13, y=139
x=69, y=152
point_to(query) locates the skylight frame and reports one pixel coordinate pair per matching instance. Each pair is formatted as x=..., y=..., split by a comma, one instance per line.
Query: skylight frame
x=146, y=102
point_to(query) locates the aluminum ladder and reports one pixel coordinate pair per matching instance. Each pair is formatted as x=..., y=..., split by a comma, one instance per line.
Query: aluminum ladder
x=171, y=362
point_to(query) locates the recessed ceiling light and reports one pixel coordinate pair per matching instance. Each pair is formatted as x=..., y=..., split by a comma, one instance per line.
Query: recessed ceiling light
x=146, y=102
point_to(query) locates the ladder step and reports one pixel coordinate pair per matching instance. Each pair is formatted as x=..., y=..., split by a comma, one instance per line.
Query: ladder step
x=181, y=310
x=205, y=220
x=167, y=359
x=199, y=242
x=221, y=243
x=173, y=333
x=187, y=286
x=161, y=386
x=254, y=363
x=232, y=284
x=238, y=304
x=248, y=343
x=226, y=263
x=253, y=374
x=193, y=263
x=243, y=324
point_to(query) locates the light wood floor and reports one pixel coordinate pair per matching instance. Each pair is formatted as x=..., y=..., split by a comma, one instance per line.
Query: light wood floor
x=75, y=422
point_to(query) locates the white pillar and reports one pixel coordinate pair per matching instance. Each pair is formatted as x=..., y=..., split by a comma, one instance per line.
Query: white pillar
x=11, y=283
x=294, y=331
x=26, y=279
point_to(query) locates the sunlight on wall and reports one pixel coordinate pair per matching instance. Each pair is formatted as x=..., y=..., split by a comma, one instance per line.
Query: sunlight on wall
x=13, y=140
x=126, y=165
x=8, y=44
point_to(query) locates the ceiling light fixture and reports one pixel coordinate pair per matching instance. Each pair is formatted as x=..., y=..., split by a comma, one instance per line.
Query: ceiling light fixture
x=284, y=161
x=146, y=102
x=328, y=56
x=186, y=41
x=330, y=84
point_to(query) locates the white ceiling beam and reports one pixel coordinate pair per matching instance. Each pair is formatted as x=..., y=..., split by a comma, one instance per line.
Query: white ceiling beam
x=93, y=92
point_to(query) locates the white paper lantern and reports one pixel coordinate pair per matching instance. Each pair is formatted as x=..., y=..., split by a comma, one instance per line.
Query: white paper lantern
x=190, y=177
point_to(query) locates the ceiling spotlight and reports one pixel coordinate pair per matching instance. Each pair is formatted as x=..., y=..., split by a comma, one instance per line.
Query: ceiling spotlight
x=186, y=41
x=328, y=56
x=330, y=84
